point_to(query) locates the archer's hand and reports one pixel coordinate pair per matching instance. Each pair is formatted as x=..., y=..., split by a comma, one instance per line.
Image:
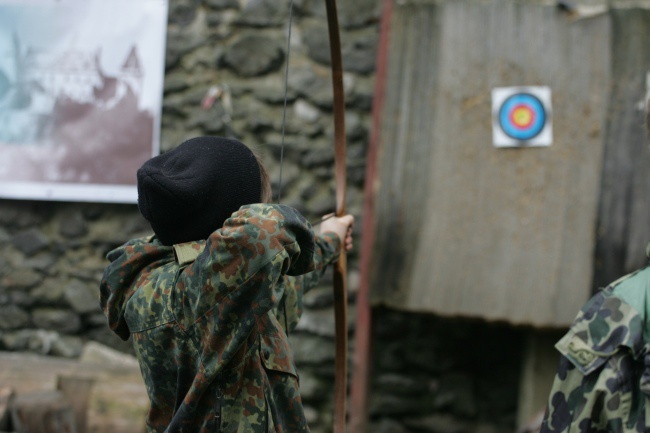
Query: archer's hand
x=342, y=226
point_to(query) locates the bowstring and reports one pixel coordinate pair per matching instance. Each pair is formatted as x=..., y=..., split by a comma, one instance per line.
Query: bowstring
x=284, y=112
x=286, y=91
x=284, y=123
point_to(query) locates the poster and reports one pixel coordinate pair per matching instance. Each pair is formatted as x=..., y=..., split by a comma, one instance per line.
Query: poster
x=80, y=96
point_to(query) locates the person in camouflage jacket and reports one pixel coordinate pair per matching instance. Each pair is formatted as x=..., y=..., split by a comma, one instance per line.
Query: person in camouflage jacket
x=209, y=310
x=603, y=381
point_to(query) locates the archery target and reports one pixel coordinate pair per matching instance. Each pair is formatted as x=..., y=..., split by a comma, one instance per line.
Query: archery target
x=521, y=116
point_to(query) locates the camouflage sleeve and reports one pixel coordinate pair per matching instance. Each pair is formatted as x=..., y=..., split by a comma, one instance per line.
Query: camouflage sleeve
x=596, y=386
x=236, y=281
x=243, y=262
x=326, y=252
x=597, y=402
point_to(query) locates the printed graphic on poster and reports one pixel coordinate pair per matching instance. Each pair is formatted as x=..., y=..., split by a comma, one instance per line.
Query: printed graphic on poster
x=80, y=96
x=521, y=116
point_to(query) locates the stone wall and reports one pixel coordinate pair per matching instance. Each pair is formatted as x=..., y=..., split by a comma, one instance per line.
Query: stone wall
x=51, y=262
x=234, y=51
x=443, y=375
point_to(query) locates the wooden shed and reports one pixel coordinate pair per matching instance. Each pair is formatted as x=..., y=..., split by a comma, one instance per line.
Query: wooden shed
x=522, y=234
x=456, y=226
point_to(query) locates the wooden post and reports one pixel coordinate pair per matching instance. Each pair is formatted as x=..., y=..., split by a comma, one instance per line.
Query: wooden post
x=77, y=391
x=6, y=398
x=539, y=365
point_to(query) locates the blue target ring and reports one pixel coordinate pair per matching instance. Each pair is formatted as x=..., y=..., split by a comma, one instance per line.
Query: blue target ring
x=522, y=116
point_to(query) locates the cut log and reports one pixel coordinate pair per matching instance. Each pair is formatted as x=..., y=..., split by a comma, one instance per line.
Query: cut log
x=43, y=412
x=118, y=399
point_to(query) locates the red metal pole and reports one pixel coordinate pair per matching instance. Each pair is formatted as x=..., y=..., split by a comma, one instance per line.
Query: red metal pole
x=363, y=332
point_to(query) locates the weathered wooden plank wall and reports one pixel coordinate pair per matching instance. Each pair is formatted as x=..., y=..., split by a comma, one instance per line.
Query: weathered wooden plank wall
x=624, y=215
x=463, y=228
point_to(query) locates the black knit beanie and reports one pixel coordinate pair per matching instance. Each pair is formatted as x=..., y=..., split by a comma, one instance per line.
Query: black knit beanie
x=188, y=192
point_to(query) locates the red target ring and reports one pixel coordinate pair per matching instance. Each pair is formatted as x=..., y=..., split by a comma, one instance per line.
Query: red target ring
x=522, y=116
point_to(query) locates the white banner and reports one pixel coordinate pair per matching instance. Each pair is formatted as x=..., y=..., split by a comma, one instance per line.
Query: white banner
x=80, y=96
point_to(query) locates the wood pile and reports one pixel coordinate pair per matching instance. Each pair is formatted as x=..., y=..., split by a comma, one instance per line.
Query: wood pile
x=101, y=392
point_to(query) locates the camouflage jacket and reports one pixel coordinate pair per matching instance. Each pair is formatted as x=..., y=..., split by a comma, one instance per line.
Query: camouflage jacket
x=603, y=381
x=207, y=320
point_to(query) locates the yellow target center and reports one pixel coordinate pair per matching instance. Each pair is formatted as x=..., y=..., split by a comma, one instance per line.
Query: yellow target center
x=522, y=116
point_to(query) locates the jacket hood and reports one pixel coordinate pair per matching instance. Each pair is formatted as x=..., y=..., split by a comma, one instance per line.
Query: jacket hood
x=130, y=263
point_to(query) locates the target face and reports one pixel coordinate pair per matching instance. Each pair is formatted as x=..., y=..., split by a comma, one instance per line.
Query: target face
x=521, y=116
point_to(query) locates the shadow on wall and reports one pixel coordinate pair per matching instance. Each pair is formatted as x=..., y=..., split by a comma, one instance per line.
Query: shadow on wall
x=435, y=374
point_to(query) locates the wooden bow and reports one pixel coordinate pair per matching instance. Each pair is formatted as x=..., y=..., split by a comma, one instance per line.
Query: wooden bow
x=340, y=269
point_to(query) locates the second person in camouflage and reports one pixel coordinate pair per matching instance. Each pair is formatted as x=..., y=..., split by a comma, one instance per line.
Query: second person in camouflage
x=603, y=381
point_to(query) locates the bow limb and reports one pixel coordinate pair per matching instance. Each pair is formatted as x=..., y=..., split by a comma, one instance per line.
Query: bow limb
x=340, y=269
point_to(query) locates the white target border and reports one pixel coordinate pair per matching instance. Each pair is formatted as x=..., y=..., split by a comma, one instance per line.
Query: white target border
x=499, y=97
